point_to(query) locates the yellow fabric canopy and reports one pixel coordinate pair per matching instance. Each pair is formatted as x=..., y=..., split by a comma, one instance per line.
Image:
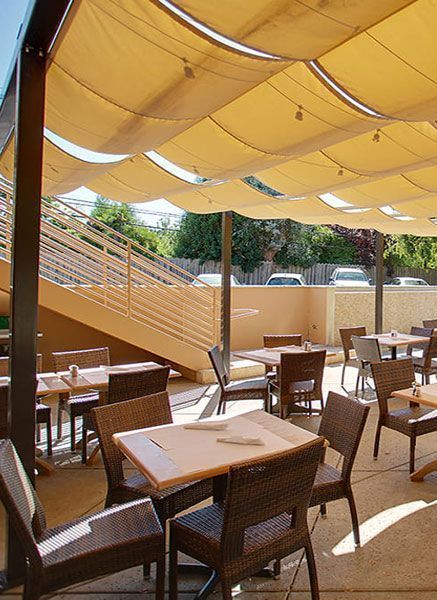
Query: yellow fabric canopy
x=294, y=28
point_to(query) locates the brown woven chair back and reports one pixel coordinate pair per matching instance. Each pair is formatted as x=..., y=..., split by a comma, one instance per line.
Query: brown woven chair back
x=4, y=365
x=367, y=349
x=342, y=424
x=135, y=384
x=302, y=366
x=216, y=359
x=423, y=331
x=276, y=341
x=84, y=359
x=260, y=490
x=389, y=376
x=430, y=351
x=148, y=411
x=346, y=334
x=20, y=501
x=430, y=323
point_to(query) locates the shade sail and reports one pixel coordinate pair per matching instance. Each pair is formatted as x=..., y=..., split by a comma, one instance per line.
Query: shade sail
x=62, y=173
x=126, y=77
x=392, y=67
x=294, y=28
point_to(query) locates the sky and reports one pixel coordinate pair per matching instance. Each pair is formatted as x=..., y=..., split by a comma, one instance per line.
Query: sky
x=12, y=13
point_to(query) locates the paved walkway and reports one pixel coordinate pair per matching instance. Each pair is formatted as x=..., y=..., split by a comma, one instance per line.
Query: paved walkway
x=397, y=558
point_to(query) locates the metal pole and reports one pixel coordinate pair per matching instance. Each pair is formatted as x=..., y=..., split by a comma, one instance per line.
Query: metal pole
x=226, y=287
x=29, y=129
x=379, y=282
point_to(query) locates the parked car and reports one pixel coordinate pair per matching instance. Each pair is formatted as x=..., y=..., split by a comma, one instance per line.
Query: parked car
x=214, y=279
x=349, y=276
x=406, y=281
x=286, y=279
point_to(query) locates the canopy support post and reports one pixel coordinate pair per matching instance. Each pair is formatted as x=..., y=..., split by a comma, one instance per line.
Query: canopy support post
x=29, y=131
x=379, y=282
x=226, y=287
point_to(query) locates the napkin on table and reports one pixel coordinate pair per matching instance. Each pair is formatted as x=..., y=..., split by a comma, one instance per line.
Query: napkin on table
x=212, y=425
x=243, y=440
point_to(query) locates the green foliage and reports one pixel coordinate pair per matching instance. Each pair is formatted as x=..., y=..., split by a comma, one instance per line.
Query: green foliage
x=254, y=241
x=411, y=251
x=122, y=218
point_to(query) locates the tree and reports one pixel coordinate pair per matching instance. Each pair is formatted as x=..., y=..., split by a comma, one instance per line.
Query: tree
x=283, y=241
x=122, y=218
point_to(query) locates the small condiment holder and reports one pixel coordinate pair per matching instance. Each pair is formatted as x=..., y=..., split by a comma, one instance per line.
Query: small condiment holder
x=394, y=333
x=307, y=346
x=417, y=389
x=74, y=370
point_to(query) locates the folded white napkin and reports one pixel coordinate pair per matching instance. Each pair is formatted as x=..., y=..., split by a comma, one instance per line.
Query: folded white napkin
x=120, y=369
x=242, y=439
x=212, y=425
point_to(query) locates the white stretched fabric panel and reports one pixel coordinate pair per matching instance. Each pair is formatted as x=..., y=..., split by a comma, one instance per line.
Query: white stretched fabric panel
x=392, y=67
x=126, y=76
x=296, y=28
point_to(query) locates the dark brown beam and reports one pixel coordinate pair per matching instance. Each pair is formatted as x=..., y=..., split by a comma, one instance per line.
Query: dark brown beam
x=226, y=286
x=379, y=282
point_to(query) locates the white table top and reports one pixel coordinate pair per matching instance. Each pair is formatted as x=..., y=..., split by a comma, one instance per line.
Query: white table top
x=169, y=454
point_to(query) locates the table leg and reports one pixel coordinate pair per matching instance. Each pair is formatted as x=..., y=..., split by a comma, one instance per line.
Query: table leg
x=208, y=587
x=423, y=471
x=394, y=353
x=43, y=467
x=93, y=456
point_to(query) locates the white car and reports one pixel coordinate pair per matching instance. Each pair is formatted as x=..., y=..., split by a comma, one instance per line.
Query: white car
x=286, y=279
x=349, y=276
x=406, y=281
x=214, y=279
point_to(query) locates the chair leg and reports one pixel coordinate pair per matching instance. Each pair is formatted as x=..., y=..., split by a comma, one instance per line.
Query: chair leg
x=412, y=452
x=146, y=570
x=343, y=373
x=377, y=438
x=226, y=590
x=277, y=569
x=31, y=592
x=49, y=437
x=173, y=570
x=312, y=571
x=59, y=421
x=323, y=511
x=427, y=380
x=84, y=445
x=38, y=433
x=160, y=579
x=72, y=433
x=354, y=516
x=357, y=385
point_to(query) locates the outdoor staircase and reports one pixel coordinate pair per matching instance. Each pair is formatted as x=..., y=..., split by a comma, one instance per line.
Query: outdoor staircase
x=94, y=275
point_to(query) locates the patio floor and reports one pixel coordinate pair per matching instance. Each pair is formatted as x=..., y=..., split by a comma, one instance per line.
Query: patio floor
x=398, y=519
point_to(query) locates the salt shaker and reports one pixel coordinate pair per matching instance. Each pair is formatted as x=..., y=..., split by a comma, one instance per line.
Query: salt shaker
x=74, y=370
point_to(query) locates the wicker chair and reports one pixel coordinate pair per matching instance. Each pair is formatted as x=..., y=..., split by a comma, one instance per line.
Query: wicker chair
x=262, y=519
x=342, y=425
x=248, y=389
x=423, y=361
x=411, y=421
x=126, y=386
x=300, y=378
x=430, y=323
x=279, y=340
x=367, y=351
x=112, y=540
x=148, y=411
x=346, y=334
x=77, y=406
x=43, y=412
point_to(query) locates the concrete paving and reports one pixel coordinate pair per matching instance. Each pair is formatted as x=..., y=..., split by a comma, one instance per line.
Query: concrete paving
x=398, y=518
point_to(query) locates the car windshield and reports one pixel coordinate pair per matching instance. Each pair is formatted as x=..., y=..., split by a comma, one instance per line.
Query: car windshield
x=213, y=279
x=284, y=281
x=415, y=282
x=351, y=276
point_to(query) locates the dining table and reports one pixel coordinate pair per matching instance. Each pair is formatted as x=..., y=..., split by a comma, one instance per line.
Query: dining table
x=271, y=357
x=397, y=340
x=175, y=454
x=427, y=395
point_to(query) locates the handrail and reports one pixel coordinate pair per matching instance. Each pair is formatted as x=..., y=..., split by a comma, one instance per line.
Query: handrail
x=88, y=258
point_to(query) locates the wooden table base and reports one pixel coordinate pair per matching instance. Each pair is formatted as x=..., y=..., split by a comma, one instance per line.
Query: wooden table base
x=423, y=471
